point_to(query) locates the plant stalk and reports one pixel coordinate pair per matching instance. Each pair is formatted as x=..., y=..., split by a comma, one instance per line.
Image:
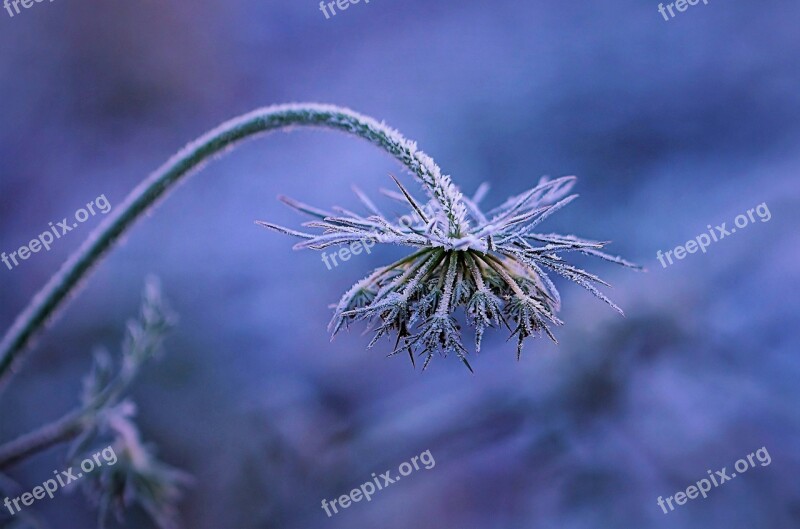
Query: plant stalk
x=59, y=431
x=54, y=295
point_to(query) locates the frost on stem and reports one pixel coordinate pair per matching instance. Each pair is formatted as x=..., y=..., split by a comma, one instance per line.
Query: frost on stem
x=448, y=222
x=454, y=224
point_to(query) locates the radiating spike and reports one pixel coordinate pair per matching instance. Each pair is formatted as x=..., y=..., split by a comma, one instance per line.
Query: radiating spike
x=303, y=208
x=286, y=231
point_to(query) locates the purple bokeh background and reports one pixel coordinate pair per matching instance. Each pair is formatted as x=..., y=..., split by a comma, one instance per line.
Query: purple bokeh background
x=670, y=126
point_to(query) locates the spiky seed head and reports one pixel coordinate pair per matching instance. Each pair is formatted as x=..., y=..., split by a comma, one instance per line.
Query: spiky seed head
x=493, y=264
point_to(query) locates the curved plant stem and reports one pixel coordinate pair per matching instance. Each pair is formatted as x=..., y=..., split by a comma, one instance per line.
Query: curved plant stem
x=58, y=289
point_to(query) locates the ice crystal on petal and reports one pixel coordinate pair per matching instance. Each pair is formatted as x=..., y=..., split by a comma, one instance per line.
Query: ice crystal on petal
x=494, y=264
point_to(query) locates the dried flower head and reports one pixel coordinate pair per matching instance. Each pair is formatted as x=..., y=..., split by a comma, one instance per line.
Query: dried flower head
x=135, y=476
x=491, y=263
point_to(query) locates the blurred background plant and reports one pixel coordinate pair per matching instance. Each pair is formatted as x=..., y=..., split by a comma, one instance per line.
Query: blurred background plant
x=137, y=477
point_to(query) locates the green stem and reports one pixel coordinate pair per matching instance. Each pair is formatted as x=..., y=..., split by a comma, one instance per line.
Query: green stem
x=449, y=279
x=476, y=274
x=499, y=267
x=54, y=294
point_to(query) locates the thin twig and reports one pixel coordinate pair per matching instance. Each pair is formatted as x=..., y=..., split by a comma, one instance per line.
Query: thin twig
x=62, y=430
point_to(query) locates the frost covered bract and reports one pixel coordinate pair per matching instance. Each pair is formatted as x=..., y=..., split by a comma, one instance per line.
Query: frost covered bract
x=494, y=264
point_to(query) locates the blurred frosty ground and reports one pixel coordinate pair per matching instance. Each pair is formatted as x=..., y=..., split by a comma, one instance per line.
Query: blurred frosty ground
x=669, y=126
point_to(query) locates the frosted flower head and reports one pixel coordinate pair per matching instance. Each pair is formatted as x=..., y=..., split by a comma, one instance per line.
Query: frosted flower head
x=493, y=264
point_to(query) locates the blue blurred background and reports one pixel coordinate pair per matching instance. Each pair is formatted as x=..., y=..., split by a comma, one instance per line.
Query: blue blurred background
x=669, y=125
